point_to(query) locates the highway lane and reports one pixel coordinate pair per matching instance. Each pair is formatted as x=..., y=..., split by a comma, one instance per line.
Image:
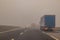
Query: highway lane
x=10, y=35
x=10, y=32
x=25, y=34
x=31, y=34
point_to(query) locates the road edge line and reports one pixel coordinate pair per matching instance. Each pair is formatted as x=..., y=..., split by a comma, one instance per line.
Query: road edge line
x=51, y=36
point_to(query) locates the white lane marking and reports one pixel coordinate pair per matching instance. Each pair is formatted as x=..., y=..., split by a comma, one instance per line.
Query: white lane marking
x=12, y=39
x=54, y=37
x=51, y=36
x=10, y=30
x=21, y=33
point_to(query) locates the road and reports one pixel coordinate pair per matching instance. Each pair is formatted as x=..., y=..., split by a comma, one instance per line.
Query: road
x=25, y=34
x=34, y=35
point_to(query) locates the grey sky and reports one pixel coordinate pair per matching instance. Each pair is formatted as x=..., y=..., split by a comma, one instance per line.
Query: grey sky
x=25, y=12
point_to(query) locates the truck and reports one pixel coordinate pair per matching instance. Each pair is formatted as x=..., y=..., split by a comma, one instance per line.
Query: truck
x=47, y=23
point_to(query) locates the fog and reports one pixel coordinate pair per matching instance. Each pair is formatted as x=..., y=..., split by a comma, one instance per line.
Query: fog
x=25, y=12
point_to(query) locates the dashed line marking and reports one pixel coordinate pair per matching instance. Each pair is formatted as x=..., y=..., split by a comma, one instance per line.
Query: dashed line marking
x=12, y=39
x=51, y=36
x=21, y=33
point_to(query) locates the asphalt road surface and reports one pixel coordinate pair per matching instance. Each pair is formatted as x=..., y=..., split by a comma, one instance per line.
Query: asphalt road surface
x=24, y=34
x=34, y=35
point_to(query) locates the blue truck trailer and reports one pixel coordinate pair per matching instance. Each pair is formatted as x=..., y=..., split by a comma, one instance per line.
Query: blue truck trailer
x=47, y=22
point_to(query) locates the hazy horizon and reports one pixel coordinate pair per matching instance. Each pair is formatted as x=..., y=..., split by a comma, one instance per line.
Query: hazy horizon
x=25, y=12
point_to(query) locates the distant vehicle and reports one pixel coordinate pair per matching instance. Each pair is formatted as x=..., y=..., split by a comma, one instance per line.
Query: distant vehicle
x=47, y=23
